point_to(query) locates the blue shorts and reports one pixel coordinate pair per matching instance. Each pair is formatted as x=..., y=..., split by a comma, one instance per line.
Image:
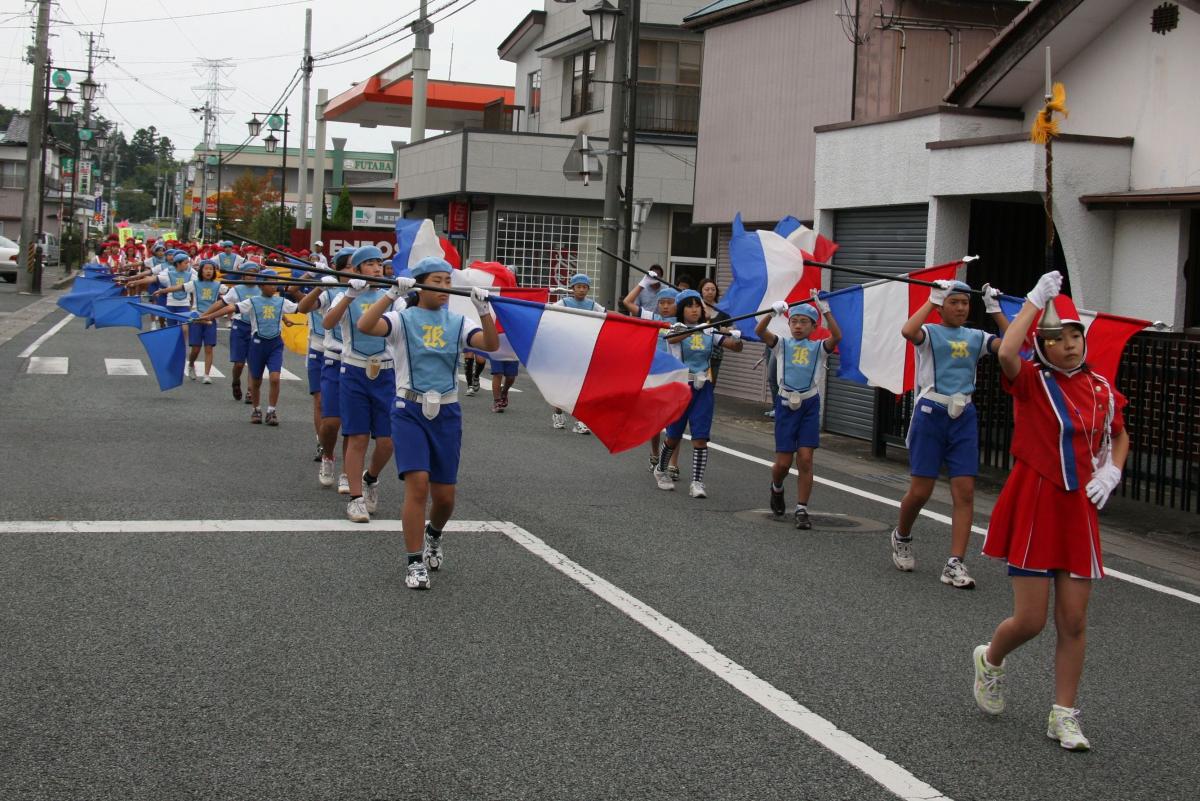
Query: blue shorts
x=265, y=354
x=934, y=439
x=698, y=415
x=797, y=428
x=365, y=405
x=423, y=445
x=316, y=362
x=184, y=310
x=202, y=334
x=330, y=394
x=507, y=369
x=239, y=341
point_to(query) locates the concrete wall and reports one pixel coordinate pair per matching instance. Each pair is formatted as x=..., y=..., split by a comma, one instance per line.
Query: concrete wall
x=431, y=167
x=1148, y=249
x=1130, y=82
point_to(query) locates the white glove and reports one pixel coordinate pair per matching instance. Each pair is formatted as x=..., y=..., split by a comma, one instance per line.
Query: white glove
x=402, y=287
x=357, y=287
x=328, y=279
x=1104, y=481
x=1048, y=286
x=676, y=329
x=646, y=282
x=780, y=308
x=479, y=296
x=735, y=335
x=937, y=296
x=991, y=299
x=821, y=305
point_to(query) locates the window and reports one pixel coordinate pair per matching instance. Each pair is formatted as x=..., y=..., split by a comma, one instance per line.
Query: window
x=581, y=94
x=1191, y=274
x=668, y=93
x=12, y=174
x=547, y=249
x=534, y=93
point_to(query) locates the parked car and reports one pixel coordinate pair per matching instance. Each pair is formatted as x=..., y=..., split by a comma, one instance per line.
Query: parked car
x=51, y=249
x=9, y=253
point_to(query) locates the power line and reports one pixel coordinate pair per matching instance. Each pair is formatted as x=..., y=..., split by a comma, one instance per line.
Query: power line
x=402, y=35
x=347, y=47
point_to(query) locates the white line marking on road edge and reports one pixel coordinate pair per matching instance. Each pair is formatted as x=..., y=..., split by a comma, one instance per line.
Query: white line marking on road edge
x=463, y=378
x=287, y=375
x=214, y=372
x=37, y=343
x=124, y=367
x=890, y=775
x=941, y=518
x=218, y=526
x=47, y=365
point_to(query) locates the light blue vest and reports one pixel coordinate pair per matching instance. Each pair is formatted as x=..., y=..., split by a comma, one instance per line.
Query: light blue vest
x=799, y=358
x=956, y=352
x=696, y=351
x=206, y=294
x=361, y=344
x=268, y=315
x=663, y=345
x=587, y=304
x=227, y=261
x=244, y=292
x=432, y=339
x=334, y=294
x=178, y=277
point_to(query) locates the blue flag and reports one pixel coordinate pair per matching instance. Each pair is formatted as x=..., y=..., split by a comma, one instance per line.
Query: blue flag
x=160, y=311
x=114, y=312
x=84, y=293
x=166, y=350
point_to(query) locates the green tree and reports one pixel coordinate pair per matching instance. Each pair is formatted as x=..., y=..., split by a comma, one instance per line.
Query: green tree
x=266, y=227
x=343, y=214
x=135, y=204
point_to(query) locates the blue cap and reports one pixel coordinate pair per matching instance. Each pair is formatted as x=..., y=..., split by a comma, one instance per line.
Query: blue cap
x=158, y=246
x=226, y=244
x=343, y=255
x=958, y=288
x=178, y=257
x=208, y=261
x=579, y=278
x=804, y=310
x=267, y=271
x=430, y=264
x=250, y=267
x=686, y=295
x=666, y=293
x=366, y=253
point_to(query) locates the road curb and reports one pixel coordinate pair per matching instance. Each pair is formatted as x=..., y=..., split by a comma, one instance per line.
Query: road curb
x=65, y=280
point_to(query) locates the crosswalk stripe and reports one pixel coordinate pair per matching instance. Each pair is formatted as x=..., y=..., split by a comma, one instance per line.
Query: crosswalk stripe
x=288, y=375
x=124, y=367
x=463, y=379
x=214, y=372
x=47, y=365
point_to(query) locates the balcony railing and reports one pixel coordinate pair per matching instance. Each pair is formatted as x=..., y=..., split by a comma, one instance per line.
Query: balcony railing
x=668, y=108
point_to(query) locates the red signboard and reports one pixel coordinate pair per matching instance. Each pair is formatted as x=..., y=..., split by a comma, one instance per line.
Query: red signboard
x=458, y=218
x=382, y=239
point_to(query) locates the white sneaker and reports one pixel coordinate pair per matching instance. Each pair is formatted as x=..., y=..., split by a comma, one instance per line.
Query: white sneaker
x=580, y=428
x=191, y=371
x=417, y=576
x=955, y=574
x=325, y=476
x=434, y=554
x=207, y=380
x=343, y=484
x=663, y=480
x=697, y=490
x=989, y=683
x=1064, y=727
x=558, y=420
x=471, y=390
x=356, y=510
x=902, y=553
x=371, y=494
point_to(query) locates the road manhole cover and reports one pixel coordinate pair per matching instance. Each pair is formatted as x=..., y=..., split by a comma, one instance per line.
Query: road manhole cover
x=820, y=521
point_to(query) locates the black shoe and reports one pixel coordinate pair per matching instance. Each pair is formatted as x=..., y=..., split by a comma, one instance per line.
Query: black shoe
x=802, y=521
x=777, y=507
x=320, y=452
x=237, y=390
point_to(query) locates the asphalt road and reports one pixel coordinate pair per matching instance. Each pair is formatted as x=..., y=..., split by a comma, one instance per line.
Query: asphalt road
x=295, y=665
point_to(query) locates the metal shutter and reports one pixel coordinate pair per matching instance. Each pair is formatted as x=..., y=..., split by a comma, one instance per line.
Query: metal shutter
x=477, y=244
x=887, y=239
x=738, y=377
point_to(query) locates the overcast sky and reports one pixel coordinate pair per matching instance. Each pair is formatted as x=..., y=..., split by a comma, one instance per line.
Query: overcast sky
x=154, y=45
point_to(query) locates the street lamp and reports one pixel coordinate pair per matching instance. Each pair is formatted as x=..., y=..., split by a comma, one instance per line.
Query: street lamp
x=271, y=142
x=87, y=89
x=100, y=139
x=275, y=122
x=64, y=104
x=603, y=19
x=255, y=125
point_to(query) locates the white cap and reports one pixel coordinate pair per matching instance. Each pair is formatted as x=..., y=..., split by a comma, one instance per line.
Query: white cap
x=318, y=244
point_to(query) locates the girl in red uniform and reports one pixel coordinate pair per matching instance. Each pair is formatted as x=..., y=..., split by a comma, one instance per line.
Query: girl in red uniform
x=1069, y=445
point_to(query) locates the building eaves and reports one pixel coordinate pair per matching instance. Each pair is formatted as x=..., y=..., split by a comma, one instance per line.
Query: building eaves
x=723, y=11
x=18, y=131
x=518, y=39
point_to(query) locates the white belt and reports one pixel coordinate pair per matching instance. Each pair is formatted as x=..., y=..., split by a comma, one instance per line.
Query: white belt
x=431, y=401
x=316, y=344
x=793, y=399
x=384, y=364
x=698, y=380
x=955, y=404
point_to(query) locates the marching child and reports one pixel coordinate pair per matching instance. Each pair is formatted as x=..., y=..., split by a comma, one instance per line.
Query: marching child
x=580, y=286
x=473, y=362
x=943, y=429
x=695, y=350
x=203, y=290
x=800, y=371
x=1069, y=445
x=666, y=310
x=426, y=417
x=504, y=375
x=366, y=386
x=239, y=329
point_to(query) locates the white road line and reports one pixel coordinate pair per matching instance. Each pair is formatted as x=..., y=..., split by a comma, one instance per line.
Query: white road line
x=124, y=367
x=47, y=365
x=213, y=373
x=287, y=375
x=463, y=378
x=37, y=343
x=941, y=518
x=890, y=775
x=210, y=526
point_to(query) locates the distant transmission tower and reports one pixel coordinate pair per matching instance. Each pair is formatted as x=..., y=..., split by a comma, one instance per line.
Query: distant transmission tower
x=214, y=90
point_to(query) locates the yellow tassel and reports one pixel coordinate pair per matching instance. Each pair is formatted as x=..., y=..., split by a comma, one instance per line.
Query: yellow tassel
x=1045, y=127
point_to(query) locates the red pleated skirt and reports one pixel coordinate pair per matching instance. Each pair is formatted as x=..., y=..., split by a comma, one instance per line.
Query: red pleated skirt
x=1037, y=525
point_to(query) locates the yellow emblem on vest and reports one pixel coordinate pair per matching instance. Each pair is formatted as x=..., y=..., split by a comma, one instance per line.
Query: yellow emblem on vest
x=801, y=356
x=362, y=307
x=434, y=336
x=958, y=349
x=268, y=312
x=206, y=294
x=696, y=342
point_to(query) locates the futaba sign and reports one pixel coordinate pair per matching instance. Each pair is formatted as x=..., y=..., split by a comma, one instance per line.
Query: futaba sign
x=367, y=165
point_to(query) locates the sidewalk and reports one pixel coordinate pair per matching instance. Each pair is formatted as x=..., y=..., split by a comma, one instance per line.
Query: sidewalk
x=1163, y=538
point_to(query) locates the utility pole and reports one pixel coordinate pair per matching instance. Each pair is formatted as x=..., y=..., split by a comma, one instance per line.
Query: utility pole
x=30, y=279
x=420, y=69
x=606, y=286
x=319, y=171
x=302, y=183
x=207, y=112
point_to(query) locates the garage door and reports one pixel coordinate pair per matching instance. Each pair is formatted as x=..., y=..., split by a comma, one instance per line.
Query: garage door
x=742, y=374
x=887, y=239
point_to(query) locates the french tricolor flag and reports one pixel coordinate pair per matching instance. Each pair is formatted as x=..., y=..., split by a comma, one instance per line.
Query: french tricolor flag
x=500, y=280
x=872, y=351
x=416, y=240
x=603, y=368
x=769, y=266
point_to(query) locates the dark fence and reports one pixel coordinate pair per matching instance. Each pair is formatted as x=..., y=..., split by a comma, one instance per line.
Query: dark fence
x=668, y=108
x=1160, y=376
